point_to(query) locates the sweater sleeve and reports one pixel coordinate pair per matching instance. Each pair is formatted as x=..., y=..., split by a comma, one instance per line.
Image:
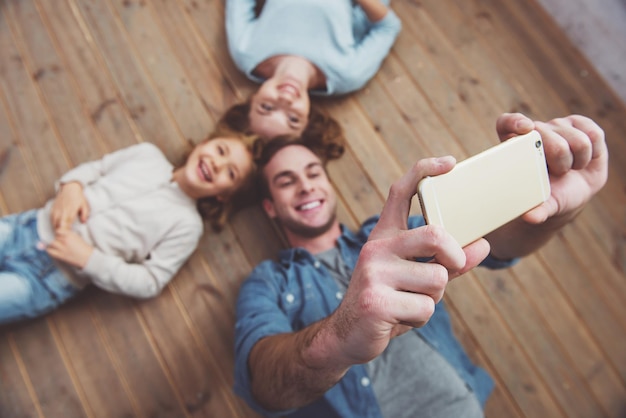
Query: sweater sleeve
x=89, y=172
x=373, y=48
x=239, y=16
x=148, y=278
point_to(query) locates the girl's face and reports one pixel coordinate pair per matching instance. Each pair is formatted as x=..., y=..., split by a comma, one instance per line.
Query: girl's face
x=280, y=107
x=215, y=168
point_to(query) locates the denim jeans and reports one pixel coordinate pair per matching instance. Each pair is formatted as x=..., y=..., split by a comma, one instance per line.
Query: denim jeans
x=30, y=282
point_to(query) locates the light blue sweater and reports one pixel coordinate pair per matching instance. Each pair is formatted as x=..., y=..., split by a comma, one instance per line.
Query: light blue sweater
x=333, y=34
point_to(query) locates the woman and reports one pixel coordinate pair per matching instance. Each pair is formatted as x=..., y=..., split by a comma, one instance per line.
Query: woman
x=125, y=223
x=293, y=48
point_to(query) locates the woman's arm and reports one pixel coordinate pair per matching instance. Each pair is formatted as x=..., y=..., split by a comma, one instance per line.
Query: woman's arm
x=375, y=10
x=372, y=49
x=239, y=15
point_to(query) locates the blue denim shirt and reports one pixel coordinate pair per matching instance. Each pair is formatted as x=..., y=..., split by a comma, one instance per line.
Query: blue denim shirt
x=289, y=294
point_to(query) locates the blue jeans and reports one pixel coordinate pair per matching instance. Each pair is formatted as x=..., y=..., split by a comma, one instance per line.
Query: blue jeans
x=30, y=282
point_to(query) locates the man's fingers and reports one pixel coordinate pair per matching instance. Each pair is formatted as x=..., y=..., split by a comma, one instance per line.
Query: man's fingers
x=594, y=133
x=509, y=125
x=475, y=253
x=412, y=309
x=396, y=210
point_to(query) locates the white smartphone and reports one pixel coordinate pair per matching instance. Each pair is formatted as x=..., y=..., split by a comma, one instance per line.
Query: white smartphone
x=486, y=191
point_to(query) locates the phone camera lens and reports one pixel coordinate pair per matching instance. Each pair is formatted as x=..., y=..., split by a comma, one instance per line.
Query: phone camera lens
x=538, y=144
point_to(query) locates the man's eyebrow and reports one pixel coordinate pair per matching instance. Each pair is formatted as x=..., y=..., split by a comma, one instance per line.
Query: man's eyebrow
x=285, y=173
x=313, y=164
x=291, y=173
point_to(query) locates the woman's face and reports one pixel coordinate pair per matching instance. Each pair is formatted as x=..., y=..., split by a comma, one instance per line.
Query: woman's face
x=280, y=107
x=216, y=168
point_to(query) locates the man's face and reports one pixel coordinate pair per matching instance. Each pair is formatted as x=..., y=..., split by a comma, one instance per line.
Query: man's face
x=302, y=198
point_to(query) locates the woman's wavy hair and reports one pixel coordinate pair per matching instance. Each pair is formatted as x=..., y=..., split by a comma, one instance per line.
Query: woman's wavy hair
x=218, y=211
x=323, y=134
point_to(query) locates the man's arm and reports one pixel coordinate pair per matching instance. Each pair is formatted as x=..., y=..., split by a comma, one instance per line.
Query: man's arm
x=388, y=294
x=302, y=366
x=577, y=158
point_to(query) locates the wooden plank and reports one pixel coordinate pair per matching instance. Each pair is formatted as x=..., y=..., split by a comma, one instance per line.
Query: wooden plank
x=452, y=67
x=596, y=28
x=464, y=80
x=139, y=97
x=577, y=285
x=190, y=366
x=443, y=97
x=207, y=17
x=542, y=347
x=54, y=82
x=16, y=186
x=428, y=134
x=377, y=163
x=91, y=361
x=76, y=346
x=44, y=366
x=511, y=80
x=213, y=86
x=516, y=67
x=533, y=94
x=101, y=100
x=134, y=356
x=22, y=101
x=146, y=42
x=16, y=391
x=576, y=83
x=500, y=403
x=504, y=353
x=577, y=342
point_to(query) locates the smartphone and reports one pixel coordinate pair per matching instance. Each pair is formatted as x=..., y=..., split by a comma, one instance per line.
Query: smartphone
x=487, y=190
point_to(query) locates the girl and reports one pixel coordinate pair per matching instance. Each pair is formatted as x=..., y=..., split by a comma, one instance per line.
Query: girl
x=125, y=223
x=323, y=47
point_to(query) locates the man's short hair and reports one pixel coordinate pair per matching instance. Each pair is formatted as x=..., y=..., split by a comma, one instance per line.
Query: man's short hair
x=270, y=149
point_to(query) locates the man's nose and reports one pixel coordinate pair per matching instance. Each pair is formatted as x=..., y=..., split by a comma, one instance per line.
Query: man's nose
x=306, y=186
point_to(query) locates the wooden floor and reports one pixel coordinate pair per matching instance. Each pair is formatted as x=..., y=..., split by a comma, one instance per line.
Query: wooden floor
x=79, y=78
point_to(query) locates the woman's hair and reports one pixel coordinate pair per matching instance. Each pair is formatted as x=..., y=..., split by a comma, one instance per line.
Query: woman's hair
x=217, y=211
x=323, y=134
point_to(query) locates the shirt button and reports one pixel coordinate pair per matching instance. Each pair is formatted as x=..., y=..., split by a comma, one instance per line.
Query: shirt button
x=317, y=264
x=290, y=298
x=365, y=382
x=339, y=295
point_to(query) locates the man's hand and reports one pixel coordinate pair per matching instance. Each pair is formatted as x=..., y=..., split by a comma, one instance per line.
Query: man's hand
x=577, y=158
x=70, y=248
x=69, y=203
x=390, y=292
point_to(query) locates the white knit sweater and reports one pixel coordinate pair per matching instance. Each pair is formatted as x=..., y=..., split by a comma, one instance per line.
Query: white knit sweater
x=141, y=225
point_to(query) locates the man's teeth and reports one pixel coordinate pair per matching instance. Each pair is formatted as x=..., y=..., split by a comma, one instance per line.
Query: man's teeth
x=310, y=205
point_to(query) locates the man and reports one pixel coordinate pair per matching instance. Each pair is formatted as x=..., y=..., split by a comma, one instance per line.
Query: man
x=322, y=332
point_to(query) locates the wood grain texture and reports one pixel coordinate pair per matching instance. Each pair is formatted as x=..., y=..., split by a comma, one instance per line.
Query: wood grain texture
x=80, y=78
